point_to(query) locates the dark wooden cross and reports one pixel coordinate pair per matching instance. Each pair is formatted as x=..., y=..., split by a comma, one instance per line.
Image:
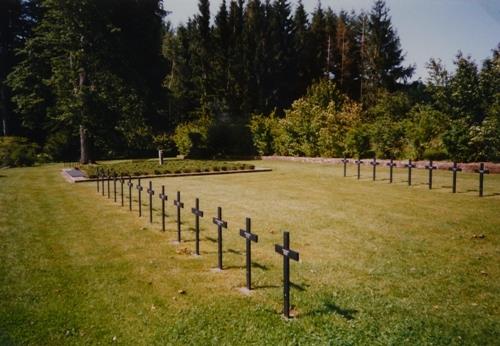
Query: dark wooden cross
x=130, y=185
x=430, y=167
x=410, y=165
x=151, y=193
x=179, y=205
x=345, y=162
x=98, y=173
x=139, y=189
x=359, y=162
x=220, y=225
x=108, y=179
x=250, y=237
x=114, y=187
x=374, y=163
x=122, y=181
x=197, y=214
x=391, y=165
x=454, y=169
x=482, y=171
x=287, y=254
x=102, y=181
x=163, y=196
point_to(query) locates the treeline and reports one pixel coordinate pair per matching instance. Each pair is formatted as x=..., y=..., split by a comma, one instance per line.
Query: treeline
x=112, y=78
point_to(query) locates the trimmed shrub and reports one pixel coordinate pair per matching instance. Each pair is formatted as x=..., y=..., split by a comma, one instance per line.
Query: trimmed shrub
x=17, y=151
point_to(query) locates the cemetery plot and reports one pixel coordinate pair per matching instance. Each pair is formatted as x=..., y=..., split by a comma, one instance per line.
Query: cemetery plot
x=172, y=166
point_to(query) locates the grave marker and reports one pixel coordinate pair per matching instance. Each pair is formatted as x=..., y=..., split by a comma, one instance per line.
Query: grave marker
x=179, y=205
x=98, y=179
x=358, y=162
x=107, y=178
x=122, y=181
x=374, y=163
x=114, y=186
x=409, y=165
x=345, y=162
x=250, y=237
x=197, y=214
x=454, y=169
x=139, y=189
x=482, y=171
x=150, y=192
x=163, y=198
x=287, y=255
x=220, y=224
x=430, y=167
x=102, y=181
x=130, y=185
x=391, y=165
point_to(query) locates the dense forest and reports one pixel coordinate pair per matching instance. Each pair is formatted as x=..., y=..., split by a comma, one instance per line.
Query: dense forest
x=95, y=79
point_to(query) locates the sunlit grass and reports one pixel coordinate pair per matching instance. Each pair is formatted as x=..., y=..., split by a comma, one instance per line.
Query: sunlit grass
x=380, y=263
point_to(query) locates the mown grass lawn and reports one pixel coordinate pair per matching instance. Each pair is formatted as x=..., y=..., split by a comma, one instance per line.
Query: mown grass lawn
x=380, y=264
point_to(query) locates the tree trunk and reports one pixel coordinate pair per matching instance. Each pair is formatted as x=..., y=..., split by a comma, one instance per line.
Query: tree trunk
x=84, y=146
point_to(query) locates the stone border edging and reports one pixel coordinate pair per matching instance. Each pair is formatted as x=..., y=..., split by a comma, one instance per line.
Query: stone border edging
x=71, y=179
x=494, y=168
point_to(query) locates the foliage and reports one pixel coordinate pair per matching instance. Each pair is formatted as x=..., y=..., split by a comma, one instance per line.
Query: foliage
x=388, y=138
x=191, y=138
x=170, y=166
x=17, y=151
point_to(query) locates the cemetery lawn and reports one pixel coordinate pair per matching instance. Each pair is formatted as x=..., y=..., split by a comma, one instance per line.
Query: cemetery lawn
x=170, y=166
x=380, y=264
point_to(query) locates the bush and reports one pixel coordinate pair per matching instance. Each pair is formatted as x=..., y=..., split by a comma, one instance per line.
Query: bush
x=17, y=151
x=264, y=131
x=191, y=138
x=435, y=154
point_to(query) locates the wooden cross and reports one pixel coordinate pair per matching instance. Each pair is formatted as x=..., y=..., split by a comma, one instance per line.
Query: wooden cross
x=482, y=171
x=114, y=186
x=150, y=192
x=98, y=178
x=454, y=169
x=430, y=167
x=102, y=181
x=409, y=165
x=287, y=254
x=130, y=185
x=359, y=163
x=179, y=205
x=374, y=163
x=139, y=189
x=107, y=178
x=197, y=214
x=220, y=224
x=122, y=181
x=163, y=198
x=250, y=237
x=391, y=165
x=345, y=162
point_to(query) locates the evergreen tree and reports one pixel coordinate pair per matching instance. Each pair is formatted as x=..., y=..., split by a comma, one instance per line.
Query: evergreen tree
x=383, y=56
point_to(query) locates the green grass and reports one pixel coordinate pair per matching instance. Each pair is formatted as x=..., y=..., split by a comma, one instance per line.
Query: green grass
x=380, y=264
x=170, y=166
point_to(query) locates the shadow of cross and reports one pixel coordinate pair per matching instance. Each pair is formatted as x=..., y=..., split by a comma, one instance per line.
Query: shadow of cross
x=197, y=214
x=250, y=237
x=179, y=205
x=287, y=254
x=163, y=196
x=220, y=225
x=151, y=193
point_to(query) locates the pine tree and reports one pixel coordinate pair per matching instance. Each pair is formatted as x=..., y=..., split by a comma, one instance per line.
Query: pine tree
x=383, y=56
